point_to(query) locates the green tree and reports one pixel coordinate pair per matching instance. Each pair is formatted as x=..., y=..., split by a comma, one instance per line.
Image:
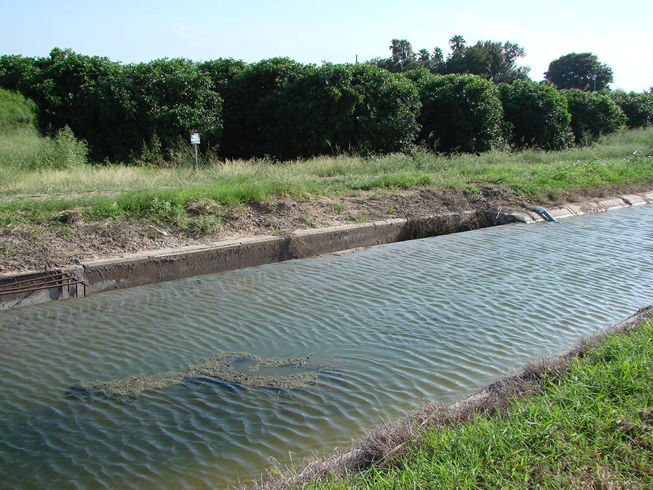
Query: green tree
x=423, y=56
x=437, y=57
x=457, y=43
x=173, y=97
x=638, y=107
x=18, y=73
x=579, y=70
x=251, y=103
x=222, y=72
x=459, y=113
x=536, y=116
x=503, y=61
x=491, y=60
x=402, y=51
x=593, y=114
x=333, y=108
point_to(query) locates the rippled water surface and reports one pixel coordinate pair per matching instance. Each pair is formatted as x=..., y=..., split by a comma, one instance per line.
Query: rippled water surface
x=389, y=326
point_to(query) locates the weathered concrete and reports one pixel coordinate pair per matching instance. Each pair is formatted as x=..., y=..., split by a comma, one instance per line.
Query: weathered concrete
x=167, y=265
x=598, y=206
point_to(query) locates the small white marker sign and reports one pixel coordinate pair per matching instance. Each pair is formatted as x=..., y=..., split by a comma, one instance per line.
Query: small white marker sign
x=194, y=138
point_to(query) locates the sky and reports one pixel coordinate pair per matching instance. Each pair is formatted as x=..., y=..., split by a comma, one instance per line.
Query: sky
x=620, y=33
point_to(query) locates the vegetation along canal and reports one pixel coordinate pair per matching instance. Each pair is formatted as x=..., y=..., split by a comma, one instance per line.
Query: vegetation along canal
x=199, y=382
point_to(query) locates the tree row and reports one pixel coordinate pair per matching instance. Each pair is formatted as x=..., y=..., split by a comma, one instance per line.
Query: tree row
x=284, y=110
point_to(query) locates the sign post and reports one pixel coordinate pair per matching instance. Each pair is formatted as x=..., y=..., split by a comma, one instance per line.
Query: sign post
x=195, y=141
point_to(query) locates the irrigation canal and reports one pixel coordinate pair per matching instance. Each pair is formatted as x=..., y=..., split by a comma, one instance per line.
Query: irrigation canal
x=284, y=359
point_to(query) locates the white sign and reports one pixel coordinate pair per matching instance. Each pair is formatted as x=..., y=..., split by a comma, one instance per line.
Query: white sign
x=194, y=138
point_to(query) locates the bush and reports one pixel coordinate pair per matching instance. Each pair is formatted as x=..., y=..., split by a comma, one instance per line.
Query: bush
x=15, y=110
x=23, y=148
x=638, y=107
x=593, y=114
x=251, y=105
x=385, y=119
x=173, y=98
x=118, y=109
x=536, y=116
x=355, y=108
x=460, y=113
x=222, y=72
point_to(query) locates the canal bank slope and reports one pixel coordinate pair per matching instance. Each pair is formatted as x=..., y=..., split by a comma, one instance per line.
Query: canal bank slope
x=88, y=258
x=579, y=419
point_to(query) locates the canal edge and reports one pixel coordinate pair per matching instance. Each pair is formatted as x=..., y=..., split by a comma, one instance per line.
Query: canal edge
x=86, y=278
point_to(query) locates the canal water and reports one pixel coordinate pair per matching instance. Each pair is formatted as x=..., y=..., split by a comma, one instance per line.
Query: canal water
x=376, y=332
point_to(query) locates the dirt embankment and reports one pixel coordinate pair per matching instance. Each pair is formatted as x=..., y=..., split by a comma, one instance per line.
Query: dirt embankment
x=72, y=239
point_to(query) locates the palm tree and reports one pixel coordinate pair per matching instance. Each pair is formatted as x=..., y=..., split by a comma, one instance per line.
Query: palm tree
x=457, y=42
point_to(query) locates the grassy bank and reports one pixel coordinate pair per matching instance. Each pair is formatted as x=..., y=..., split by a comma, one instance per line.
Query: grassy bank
x=587, y=423
x=167, y=195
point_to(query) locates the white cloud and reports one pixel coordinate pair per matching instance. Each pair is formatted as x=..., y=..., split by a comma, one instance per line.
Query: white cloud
x=181, y=32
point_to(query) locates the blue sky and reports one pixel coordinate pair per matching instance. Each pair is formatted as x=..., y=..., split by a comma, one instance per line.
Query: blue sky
x=619, y=33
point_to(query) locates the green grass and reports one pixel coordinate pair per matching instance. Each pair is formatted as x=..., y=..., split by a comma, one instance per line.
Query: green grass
x=589, y=427
x=22, y=148
x=15, y=110
x=160, y=194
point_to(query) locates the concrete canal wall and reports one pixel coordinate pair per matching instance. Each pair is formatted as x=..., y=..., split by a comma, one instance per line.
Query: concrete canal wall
x=87, y=278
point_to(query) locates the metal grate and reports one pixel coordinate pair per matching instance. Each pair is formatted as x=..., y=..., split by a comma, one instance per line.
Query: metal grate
x=47, y=280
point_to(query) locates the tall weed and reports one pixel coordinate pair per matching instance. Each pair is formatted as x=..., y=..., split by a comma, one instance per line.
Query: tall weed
x=24, y=149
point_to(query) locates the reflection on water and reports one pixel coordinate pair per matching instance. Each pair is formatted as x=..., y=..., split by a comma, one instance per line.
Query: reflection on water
x=429, y=319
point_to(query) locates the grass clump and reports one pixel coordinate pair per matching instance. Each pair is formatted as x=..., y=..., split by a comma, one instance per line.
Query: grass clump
x=588, y=424
x=15, y=110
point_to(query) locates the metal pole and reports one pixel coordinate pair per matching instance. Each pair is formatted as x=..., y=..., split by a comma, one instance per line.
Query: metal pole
x=195, y=160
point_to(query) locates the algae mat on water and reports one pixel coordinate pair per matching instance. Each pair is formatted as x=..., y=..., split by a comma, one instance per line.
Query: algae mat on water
x=229, y=367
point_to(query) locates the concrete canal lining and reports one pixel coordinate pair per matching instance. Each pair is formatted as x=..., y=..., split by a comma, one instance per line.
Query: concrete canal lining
x=167, y=265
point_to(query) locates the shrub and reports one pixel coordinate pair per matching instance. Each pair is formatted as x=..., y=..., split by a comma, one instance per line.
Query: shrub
x=222, y=72
x=385, y=119
x=638, y=107
x=536, y=116
x=251, y=104
x=18, y=74
x=117, y=108
x=460, y=113
x=356, y=108
x=593, y=114
x=173, y=98
x=285, y=110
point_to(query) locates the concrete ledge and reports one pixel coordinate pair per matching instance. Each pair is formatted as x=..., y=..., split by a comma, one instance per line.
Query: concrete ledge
x=635, y=199
x=598, y=206
x=308, y=243
x=110, y=274
x=168, y=265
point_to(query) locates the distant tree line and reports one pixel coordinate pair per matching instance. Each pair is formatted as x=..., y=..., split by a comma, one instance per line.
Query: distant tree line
x=474, y=100
x=494, y=61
